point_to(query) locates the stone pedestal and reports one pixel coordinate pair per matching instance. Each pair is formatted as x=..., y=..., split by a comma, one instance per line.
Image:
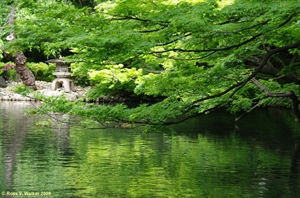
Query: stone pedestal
x=65, y=84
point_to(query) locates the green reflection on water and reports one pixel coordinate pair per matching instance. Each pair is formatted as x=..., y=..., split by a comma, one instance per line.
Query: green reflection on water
x=211, y=159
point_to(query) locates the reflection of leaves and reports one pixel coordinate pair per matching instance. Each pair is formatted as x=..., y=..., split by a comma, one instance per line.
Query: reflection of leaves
x=44, y=123
x=165, y=162
x=88, y=123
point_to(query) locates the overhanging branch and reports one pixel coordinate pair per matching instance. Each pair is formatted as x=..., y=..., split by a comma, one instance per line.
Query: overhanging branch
x=239, y=85
x=288, y=94
x=208, y=50
x=264, y=62
x=268, y=93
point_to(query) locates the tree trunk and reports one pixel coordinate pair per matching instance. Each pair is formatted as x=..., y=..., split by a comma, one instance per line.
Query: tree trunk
x=26, y=75
x=288, y=94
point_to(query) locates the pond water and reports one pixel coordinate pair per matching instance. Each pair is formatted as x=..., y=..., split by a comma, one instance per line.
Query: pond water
x=208, y=156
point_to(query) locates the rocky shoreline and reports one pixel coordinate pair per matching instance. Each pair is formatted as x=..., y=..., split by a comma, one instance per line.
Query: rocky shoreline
x=6, y=94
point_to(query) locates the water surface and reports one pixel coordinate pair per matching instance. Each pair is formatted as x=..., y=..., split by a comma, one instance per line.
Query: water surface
x=208, y=156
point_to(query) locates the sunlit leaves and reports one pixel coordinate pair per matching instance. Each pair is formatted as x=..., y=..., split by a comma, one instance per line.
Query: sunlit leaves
x=42, y=69
x=114, y=77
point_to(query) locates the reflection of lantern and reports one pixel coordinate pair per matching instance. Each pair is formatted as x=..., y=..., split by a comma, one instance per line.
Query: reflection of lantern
x=62, y=73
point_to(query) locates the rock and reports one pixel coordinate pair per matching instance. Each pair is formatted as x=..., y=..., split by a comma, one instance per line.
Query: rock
x=41, y=85
x=3, y=83
x=5, y=98
x=70, y=97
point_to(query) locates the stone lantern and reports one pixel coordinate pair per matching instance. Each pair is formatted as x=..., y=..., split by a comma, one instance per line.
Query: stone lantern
x=62, y=73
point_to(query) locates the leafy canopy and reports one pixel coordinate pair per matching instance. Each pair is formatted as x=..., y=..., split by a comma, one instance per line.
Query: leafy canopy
x=194, y=53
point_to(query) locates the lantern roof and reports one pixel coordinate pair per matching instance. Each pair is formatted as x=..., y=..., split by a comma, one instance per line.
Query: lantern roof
x=56, y=60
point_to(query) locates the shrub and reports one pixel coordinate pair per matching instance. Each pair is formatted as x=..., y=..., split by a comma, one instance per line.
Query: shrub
x=7, y=71
x=42, y=71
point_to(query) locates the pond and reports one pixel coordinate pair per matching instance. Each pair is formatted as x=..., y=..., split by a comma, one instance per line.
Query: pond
x=208, y=156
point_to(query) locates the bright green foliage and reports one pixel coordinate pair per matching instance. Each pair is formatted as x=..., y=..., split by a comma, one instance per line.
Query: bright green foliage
x=197, y=54
x=22, y=89
x=42, y=71
x=113, y=80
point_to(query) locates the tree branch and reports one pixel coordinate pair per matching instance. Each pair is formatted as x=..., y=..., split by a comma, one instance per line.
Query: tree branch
x=186, y=59
x=167, y=43
x=264, y=62
x=268, y=93
x=117, y=18
x=229, y=47
x=288, y=94
x=209, y=50
x=238, y=118
x=239, y=85
x=191, y=116
x=122, y=18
